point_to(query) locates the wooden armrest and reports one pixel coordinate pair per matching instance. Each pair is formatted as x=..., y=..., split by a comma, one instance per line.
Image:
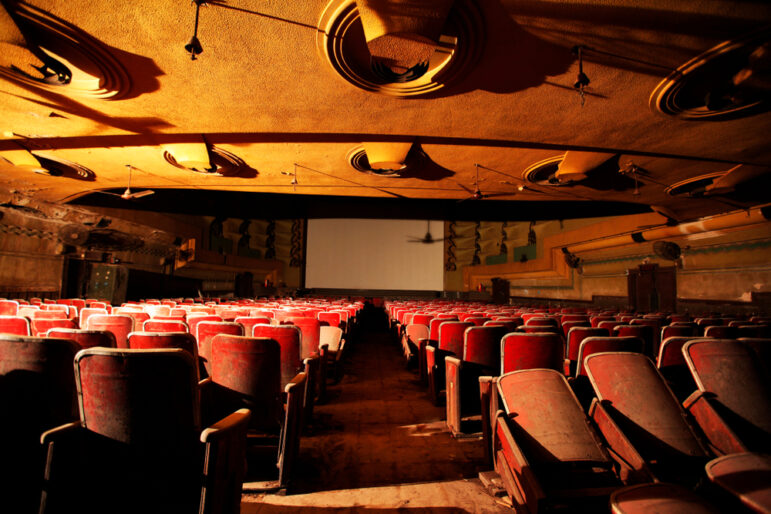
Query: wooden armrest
x=224, y=462
x=224, y=427
x=633, y=468
x=513, y=467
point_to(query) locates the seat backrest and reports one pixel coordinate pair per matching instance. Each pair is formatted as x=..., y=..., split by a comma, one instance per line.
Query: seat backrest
x=721, y=332
x=567, y=325
x=642, y=405
x=147, y=400
x=157, y=310
x=146, y=340
x=206, y=330
x=248, y=322
x=40, y=327
x=433, y=327
x=9, y=307
x=595, y=320
x=578, y=334
x=333, y=318
x=247, y=373
x=679, y=330
x=528, y=351
x=50, y=314
x=15, y=325
x=451, y=336
x=310, y=328
x=193, y=320
x=542, y=322
x=545, y=412
x=120, y=325
x=644, y=332
x=288, y=337
x=37, y=380
x=415, y=332
x=422, y=319
x=671, y=351
x=482, y=345
x=164, y=325
x=477, y=320
x=331, y=336
x=732, y=372
x=86, y=312
x=85, y=338
x=592, y=345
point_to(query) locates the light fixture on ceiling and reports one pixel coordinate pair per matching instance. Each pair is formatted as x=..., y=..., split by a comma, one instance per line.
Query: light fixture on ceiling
x=581, y=80
x=193, y=47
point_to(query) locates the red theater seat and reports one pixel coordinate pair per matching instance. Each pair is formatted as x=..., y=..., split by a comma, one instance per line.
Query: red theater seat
x=119, y=324
x=85, y=338
x=15, y=325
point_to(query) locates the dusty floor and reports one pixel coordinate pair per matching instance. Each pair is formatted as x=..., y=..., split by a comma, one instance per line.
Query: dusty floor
x=379, y=445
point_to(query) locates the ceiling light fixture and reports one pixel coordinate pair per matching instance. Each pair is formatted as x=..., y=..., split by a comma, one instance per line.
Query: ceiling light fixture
x=581, y=80
x=194, y=47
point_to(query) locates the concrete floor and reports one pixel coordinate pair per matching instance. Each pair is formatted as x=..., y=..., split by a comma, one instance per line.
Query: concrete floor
x=379, y=445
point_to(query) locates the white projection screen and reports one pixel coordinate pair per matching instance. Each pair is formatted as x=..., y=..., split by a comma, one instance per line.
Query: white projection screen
x=373, y=254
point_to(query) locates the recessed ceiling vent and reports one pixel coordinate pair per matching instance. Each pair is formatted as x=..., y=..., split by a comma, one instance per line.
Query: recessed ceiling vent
x=221, y=163
x=64, y=58
x=728, y=81
x=544, y=172
x=56, y=167
x=401, y=51
x=385, y=159
x=742, y=183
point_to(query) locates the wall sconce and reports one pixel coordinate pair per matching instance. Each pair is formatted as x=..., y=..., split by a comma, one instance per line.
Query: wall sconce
x=193, y=47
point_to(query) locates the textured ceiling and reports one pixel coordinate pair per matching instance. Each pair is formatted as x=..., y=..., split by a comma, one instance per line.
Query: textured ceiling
x=264, y=91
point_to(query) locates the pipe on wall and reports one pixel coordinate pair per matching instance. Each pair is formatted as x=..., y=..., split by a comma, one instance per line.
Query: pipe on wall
x=737, y=219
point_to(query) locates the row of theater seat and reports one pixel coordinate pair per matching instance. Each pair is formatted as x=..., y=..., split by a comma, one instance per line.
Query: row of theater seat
x=573, y=410
x=141, y=408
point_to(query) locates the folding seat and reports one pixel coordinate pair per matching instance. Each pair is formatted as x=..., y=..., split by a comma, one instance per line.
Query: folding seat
x=705, y=322
x=675, y=318
x=642, y=421
x=595, y=320
x=573, y=317
x=246, y=372
x=644, y=332
x=163, y=325
x=37, y=392
x=659, y=498
x=672, y=366
x=344, y=317
x=86, y=312
x=481, y=356
x=119, y=324
x=332, y=337
x=679, y=330
x=146, y=340
x=248, y=322
x=567, y=325
x=169, y=303
x=448, y=316
x=40, y=327
x=139, y=446
x=721, y=332
x=9, y=307
x=519, y=351
x=542, y=322
x=158, y=310
x=289, y=337
x=596, y=344
x=178, y=311
x=139, y=316
x=309, y=346
x=414, y=333
x=762, y=348
x=206, y=330
x=755, y=331
x=535, y=329
x=15, y=325
x=546, y=452
x=609, y=325
x=451, y=337
x=332, y=318
x=84, y=338
x=54, y=314
x=508, y=326
x=575, y=336
x=745, y=477
x=477, y=320
x=194, y=319
x=733, y=402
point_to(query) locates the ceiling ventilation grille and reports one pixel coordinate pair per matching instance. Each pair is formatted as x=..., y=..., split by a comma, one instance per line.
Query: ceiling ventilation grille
x=341, y=41
x=224, y=164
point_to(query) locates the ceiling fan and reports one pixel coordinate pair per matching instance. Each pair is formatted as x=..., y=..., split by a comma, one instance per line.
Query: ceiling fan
x=128, y=194
x=427, y=239
x=476, y=193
